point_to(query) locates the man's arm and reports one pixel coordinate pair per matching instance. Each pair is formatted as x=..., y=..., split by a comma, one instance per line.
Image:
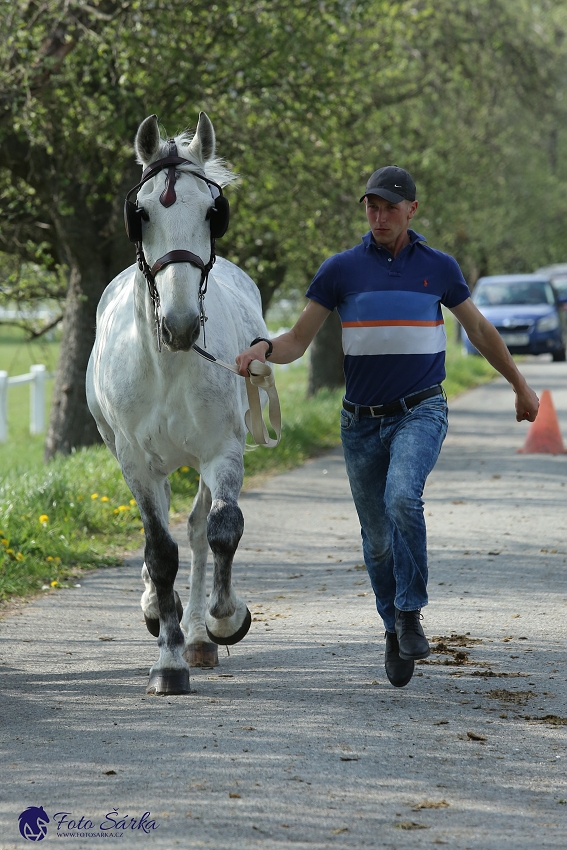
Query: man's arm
x=488, y=341
x=291, y=345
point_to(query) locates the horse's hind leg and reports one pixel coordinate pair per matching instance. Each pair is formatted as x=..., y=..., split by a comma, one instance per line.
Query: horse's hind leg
x=227, y=619
x=170, y=674
x=199, y=651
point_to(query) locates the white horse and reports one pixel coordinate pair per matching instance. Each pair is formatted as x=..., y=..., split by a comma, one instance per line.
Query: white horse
x=158, y=410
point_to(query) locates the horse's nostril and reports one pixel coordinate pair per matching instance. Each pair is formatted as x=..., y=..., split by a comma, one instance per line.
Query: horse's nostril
x=180, y=335
x=165, y=332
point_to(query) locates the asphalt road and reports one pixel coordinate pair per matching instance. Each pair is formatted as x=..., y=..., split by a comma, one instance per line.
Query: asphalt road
x=297, y=740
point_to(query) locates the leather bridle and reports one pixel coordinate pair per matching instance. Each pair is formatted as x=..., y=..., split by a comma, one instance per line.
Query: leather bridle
x=259, y=374
x=167, y=198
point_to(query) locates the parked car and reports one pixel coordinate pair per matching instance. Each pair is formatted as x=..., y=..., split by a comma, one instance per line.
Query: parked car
x=558, y=277
x=525, y=310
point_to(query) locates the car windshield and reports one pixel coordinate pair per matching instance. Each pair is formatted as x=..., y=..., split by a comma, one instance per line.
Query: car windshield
x=513, y=293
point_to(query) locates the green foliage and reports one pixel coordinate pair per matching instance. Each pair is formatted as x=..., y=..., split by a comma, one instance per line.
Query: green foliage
x=307, y=99
x=52, y=520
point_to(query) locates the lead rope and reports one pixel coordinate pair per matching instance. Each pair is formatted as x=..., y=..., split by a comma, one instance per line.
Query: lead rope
x=260, y=376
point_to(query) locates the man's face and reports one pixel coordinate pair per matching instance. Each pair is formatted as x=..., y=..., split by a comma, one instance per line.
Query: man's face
x=388, y=221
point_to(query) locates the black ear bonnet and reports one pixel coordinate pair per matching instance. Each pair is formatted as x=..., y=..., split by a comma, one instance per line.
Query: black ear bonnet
x=218, y=215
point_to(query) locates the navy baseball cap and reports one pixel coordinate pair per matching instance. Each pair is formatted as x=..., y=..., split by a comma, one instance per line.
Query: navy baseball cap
x=392, y=183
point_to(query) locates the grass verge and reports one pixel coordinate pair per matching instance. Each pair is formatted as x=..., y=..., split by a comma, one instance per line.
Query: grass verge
x=78, y=513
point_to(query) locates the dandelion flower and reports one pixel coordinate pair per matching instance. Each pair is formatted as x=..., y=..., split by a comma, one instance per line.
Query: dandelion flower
x=184, y=469
x=94, y=496
x=54, y=583
x=132, y=502
x=104, y=499
x=43, y=519
x=4, y=542
x=123, y=508
x=19, y=556
x=49, y=558
x=57, y=560
x=9, y=551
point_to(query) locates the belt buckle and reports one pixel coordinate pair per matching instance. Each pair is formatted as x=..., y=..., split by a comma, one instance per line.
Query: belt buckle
x=376, y=415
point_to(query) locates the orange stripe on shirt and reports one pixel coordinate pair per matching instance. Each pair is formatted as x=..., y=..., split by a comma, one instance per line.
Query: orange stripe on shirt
x=382, y=323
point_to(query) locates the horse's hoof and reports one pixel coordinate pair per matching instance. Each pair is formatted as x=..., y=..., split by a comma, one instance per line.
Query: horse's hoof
x=234, y=638
x=169, y=683
x=201, y=655
x=152, y=623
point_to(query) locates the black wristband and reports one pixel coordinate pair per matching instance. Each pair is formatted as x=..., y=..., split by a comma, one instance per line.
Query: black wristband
x=263, y=339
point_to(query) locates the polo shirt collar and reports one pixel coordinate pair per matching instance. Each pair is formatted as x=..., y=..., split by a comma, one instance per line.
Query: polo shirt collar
x=414, y=237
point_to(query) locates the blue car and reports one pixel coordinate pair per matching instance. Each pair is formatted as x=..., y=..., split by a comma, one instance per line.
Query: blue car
x=525, y=310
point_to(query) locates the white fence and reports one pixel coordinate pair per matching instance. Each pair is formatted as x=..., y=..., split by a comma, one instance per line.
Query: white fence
x=36, y=377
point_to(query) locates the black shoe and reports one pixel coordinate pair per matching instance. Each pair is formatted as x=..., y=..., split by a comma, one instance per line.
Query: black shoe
x=412, y=642
x=398, y=671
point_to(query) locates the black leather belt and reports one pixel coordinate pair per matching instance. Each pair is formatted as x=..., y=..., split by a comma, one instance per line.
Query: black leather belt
x=394, y=406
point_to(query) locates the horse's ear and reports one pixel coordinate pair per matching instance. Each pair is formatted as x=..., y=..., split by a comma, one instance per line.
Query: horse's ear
x=147, y=140
x=203, y=144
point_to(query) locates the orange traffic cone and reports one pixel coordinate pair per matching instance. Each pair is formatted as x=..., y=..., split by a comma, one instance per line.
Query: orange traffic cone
x=544, y=436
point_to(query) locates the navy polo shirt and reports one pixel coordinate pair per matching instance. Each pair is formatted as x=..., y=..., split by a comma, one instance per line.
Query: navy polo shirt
x=390, y=308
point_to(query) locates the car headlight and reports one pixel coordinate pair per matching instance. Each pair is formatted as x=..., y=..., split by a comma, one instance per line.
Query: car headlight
x=548, y=323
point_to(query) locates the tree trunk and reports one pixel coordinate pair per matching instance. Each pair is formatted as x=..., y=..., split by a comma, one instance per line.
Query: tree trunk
x=326, y=361
x=71, y=424
x=92, y=244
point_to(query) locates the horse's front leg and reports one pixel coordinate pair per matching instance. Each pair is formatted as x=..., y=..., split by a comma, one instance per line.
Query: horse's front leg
x=170, y=674
x=199, y=651
x=227, y=619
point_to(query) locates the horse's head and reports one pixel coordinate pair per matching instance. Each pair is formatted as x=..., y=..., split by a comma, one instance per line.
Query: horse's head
x=177, y=213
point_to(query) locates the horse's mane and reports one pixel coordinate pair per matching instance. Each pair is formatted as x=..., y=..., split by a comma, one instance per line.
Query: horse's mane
x=216, y=168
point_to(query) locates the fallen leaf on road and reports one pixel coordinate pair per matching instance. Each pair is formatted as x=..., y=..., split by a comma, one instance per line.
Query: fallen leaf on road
x=410, y=824
x=518, y=697
x=475, y=736
x=551, y=719
x=350, y=758
x=234, y=796
x=109, y=772
x=431, y=804
x=338, y=831
x=106, y=638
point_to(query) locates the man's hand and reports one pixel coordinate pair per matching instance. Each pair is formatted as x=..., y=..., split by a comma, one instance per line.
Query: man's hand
x=527, y=404
x=255, y=352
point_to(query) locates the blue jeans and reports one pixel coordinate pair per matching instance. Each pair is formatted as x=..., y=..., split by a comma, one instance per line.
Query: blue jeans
x=388, y=460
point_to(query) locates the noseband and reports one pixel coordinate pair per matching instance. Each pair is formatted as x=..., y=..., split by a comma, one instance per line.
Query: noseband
x=133, y=215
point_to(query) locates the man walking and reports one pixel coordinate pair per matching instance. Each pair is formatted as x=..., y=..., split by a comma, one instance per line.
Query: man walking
x=388, y=291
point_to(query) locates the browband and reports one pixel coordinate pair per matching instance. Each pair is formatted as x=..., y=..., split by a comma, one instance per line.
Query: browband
x=157, y=166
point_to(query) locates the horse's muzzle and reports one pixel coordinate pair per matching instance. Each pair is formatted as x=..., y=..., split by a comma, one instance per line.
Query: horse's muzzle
x=180, y=332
